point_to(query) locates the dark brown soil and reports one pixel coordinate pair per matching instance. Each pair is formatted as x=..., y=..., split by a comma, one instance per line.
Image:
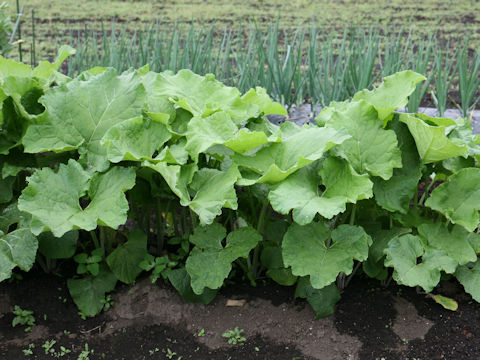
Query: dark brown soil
x=147, y=321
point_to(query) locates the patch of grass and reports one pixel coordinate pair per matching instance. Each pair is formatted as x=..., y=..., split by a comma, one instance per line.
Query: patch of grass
x=56, y=18
x=293, y=66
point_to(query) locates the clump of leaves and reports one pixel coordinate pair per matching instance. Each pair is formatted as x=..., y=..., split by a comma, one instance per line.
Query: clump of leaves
x=89, y=263
x=235, y=336
x=23, y=317
x=85, y=353
x=29, y=350
x=159, y=266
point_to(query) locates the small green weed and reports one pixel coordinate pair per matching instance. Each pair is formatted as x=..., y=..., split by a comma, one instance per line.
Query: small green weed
x=29, y=351
x=235, y=336
x=153, y=351
x=23, y=317
x=48, y=346
x=170, y=354
x=107, y=303
x=84, y=355
x=159, y=266
x=201, y=333
x=89, y=264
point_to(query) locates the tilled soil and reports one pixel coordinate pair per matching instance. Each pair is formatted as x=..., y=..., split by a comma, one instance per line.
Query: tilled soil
x=150, y=321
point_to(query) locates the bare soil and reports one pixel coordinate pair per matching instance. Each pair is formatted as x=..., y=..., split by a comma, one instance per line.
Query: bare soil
x=150, y=321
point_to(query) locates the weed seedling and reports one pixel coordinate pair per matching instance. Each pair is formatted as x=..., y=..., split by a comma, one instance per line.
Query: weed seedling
x=151, y=352
x=235, y=336
x=170, y=354
x=23, y=317
x=84, y=355
x=159, y=266
x=107, y=303
x=48, y=346
x=201, y=333
x=89, y=264
x=29, y=351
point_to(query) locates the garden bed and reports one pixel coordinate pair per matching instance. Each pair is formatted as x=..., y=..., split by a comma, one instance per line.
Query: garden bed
x=145, y=321
x=237, y=200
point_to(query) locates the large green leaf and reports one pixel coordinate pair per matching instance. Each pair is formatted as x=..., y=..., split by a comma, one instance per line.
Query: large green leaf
x=299, y=147
x=203, y=132
x=174, y=153
x=213, y=190
x=455, y=243
x=79, y=113
x=469, y=277
x=371, y=148
x=157, y=103
x=459, y=198
x=308, y=250
x=17, y=248
x=396, y=193
x=300, y=193
x=124, y=260
x=246, y=140
x=63, y=247
x=341, y=179
x=403, y=253
x=209, y=266
x=10, y=67
x=431, y=139
x=177, y=177
x=89, y=292
x=392, y=93
x=135, y=139
x=205, y=191
x=11, y=215
x=203, y=95
x=25, y=92
x=53, y=199
x=43, y=71
x=219, y=128
x=209, y=237
x=260, y=97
